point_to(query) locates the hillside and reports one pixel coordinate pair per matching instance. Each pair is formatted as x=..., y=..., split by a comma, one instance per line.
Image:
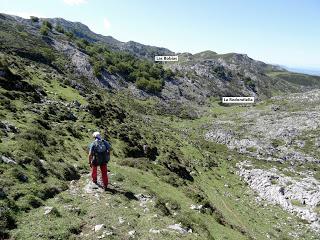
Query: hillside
x=209, y=172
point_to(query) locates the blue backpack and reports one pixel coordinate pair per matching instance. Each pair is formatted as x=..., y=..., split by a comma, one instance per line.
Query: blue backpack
x=101, y=152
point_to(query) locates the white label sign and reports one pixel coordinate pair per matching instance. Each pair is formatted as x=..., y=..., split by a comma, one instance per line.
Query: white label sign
x=238, y=99
x=166, y=58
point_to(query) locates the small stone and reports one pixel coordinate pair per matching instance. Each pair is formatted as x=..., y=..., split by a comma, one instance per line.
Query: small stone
x=154, y=230
x=121, y=220
x=8, y=160
x=98, y=227
x=177, y=227
x=47, y=210
x=195, y=207
x=107, y=233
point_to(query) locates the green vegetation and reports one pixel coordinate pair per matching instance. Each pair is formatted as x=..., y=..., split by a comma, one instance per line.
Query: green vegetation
x=70, y=35
x=47, y=24
x=59, y=29
x=297, y=78
x=45, y=28
x=34, y=19
x=249, y=83
x=296, y=203
x=147, y=76
x=277, y=142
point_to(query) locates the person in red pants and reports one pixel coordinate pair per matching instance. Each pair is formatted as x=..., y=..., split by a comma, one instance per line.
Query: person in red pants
x=99, y=155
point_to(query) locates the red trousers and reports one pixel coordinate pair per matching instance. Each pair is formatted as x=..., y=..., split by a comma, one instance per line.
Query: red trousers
x=104, y=173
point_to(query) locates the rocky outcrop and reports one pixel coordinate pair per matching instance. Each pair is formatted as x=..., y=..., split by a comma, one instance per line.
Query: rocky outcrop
x=301, y=197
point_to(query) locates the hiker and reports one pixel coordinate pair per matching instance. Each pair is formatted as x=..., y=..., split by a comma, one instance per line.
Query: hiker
x=99, y=155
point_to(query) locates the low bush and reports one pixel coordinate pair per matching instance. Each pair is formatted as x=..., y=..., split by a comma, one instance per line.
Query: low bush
x=28, y=202
x=34, y=19
x=59, y=29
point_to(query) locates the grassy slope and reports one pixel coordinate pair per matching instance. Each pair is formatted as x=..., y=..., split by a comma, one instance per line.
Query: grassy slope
x=235, y=212
x=297, y=78
x=230, y=219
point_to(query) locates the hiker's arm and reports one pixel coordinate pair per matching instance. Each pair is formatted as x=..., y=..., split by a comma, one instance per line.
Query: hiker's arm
x=90, y=158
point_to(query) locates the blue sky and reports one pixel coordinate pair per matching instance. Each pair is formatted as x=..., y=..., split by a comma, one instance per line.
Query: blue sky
x=285, y=32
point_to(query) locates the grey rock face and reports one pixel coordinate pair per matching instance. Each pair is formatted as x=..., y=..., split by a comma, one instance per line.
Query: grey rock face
x=287, y=135
x=299, y=197
x=80, y=61
x=273, y=136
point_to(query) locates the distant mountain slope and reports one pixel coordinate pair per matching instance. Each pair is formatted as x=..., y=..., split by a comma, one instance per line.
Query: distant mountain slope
x=196, y=76
x=82, y=31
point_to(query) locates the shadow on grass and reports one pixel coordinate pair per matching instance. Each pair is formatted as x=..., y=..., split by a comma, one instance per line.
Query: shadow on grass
x=128, y=194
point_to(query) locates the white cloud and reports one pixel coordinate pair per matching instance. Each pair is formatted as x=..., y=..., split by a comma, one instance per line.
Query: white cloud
x=26, y=15
x=74, y=2
x=106, y=24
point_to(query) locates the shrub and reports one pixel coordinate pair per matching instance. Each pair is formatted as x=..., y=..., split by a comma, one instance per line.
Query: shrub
x=32, y=149
x=44, y=30
x=97, y=68
x=112, y=69
x=35, y=134
x=168, y=74
x=59, y=29
x=82, y=43
x=3, y=63
x=249, y=83
x=7, y=221
x=34, y=19
x=151, y=86
x=29, y=201
x=48, y=55
x=142, y=83
x=124, y=68
x=47, y=24
x=70, y=35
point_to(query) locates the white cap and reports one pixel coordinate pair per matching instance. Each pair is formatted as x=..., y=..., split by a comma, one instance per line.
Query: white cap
x=96, y=135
